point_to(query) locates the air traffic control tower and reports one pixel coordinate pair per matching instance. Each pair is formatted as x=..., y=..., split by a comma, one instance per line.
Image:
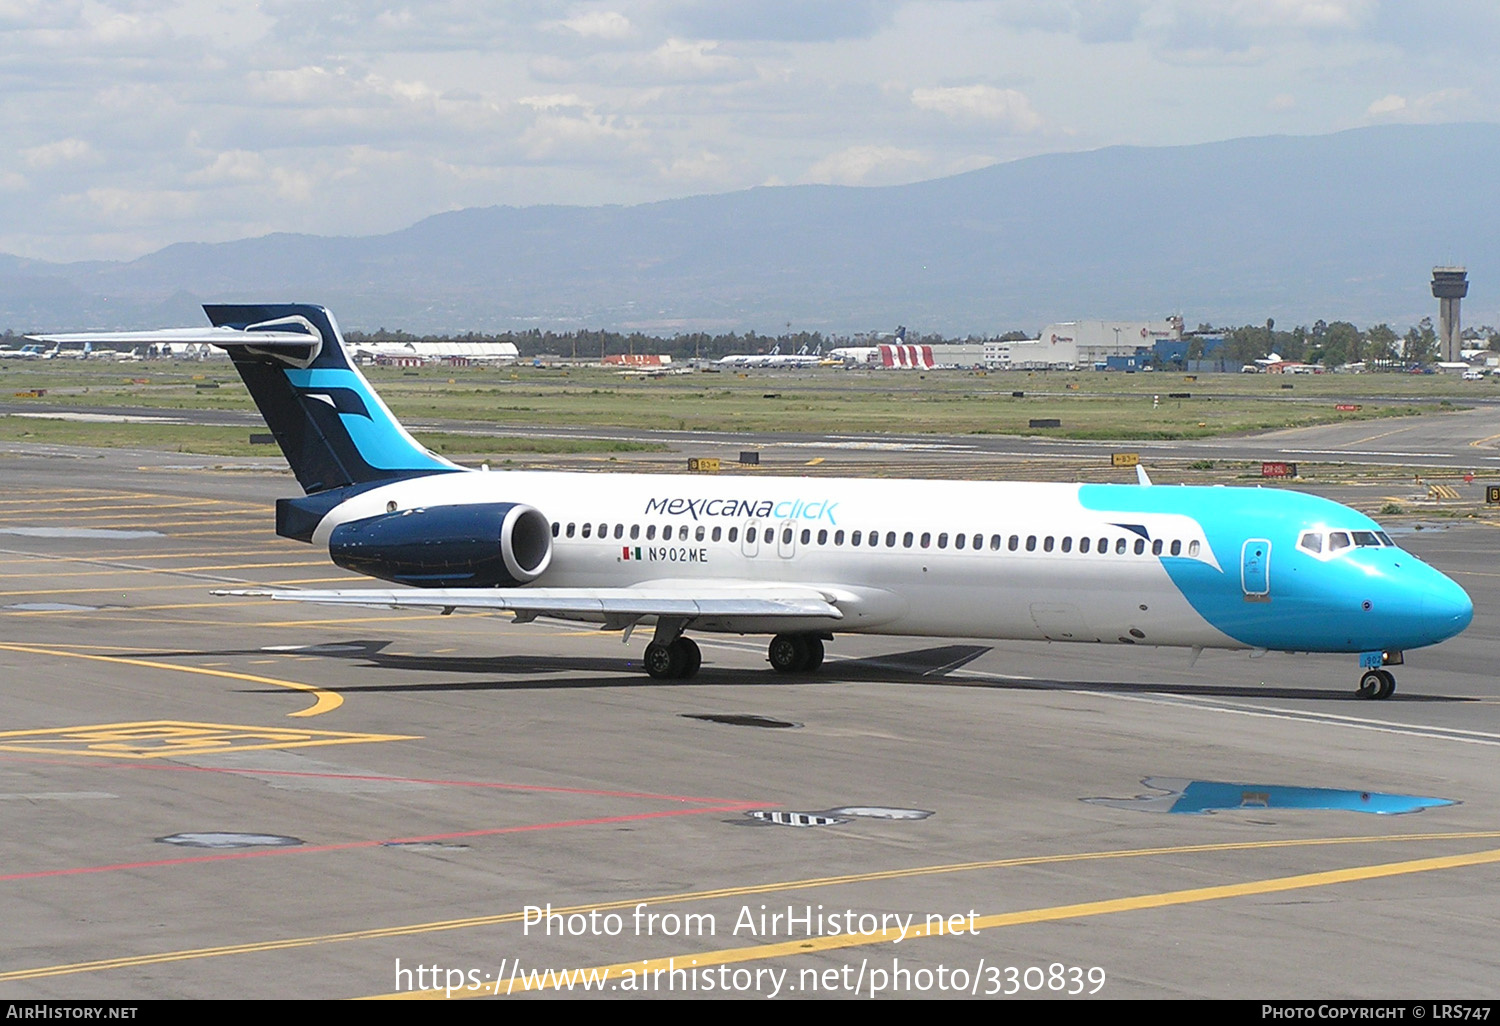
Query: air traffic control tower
x=1449, y=286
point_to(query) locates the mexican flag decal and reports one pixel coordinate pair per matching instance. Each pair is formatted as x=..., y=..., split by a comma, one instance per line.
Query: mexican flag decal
x=630, y=553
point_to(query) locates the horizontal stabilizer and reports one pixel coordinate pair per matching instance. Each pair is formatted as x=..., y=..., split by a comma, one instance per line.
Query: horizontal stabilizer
x=190, y=336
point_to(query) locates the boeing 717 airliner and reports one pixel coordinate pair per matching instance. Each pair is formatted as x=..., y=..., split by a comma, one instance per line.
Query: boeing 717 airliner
x=802, y=559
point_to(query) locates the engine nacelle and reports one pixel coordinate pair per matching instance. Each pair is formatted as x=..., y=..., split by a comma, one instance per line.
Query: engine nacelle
x=473, y=546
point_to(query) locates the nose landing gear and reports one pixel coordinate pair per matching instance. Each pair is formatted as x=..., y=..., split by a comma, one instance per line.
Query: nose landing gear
x=1376, y=683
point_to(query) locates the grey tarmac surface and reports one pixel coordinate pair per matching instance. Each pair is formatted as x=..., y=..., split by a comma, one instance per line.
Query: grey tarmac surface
x=442, y=774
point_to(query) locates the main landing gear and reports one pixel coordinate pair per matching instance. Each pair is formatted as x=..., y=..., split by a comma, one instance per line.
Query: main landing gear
x=675, y=660
x=680, y=657
x=796, y=653
x=1376, y=684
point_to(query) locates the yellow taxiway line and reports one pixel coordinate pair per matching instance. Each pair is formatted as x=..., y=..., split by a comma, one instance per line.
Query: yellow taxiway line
x=636, y=970
x=326, y=701
x=1032, y=915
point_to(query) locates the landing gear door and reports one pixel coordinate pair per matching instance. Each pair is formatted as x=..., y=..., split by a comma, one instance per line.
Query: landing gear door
x=1255, y=570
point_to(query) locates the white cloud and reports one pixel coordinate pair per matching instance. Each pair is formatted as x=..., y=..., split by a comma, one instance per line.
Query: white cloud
x=701, y=168
x=599, y=25
x=868, y=165
x=566, y=127
x=115, y=207
x=1008, y=106
x=64, y=151
x=683, y=60
x=1440, y=105
x=230, y=166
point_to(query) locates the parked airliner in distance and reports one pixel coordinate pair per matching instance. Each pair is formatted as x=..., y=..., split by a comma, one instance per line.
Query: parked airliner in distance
x=802, y=559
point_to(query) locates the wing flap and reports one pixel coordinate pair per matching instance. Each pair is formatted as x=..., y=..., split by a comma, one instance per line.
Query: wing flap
x=609, y=604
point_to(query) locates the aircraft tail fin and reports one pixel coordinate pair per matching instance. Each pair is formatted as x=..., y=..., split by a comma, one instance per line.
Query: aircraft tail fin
x=331, y=425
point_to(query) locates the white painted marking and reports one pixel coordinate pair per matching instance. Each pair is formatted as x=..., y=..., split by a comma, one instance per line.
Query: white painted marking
x=55, y=796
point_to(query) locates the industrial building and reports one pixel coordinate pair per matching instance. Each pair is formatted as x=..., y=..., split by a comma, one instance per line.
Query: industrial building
x=1085, y=345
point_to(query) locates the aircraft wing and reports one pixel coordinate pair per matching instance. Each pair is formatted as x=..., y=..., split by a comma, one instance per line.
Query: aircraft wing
x=613, y=606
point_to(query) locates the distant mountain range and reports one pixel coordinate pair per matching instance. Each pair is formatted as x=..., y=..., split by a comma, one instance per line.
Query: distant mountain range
x=1344, y=226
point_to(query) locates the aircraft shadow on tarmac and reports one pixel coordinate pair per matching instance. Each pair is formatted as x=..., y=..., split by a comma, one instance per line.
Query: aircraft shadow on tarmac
x=930, y=665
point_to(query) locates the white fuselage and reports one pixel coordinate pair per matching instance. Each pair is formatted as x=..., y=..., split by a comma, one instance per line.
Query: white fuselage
x=958, y=559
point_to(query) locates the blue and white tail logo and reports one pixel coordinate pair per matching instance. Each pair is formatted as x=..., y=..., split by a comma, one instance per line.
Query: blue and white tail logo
x=333, y=428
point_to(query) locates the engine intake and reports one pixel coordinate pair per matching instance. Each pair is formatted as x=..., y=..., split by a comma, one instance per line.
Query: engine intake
x=475, y=546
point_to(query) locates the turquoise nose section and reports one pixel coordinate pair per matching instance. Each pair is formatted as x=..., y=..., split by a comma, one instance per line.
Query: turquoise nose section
x=1445, y=609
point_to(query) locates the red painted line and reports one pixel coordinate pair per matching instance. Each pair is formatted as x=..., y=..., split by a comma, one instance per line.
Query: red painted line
x=37, y=760
x=317, y=849
x=439, y=783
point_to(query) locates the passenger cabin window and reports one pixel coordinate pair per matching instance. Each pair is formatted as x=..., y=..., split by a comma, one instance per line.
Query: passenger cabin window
x=556, y=528
x=750, y=535
x=718, y=533
x=890, y=539
x=855, y=538
x=619, y=531
x=1120, y=545
x=682, y=533
x=1083, y=544
x=906, y=540
x=1193, y=547
x=1140, y=546
x=1176, y=548
x=926, y=539
x=734, y=533
x=570, y=530
x=1067, y=544
x=650, y=532
x=698, y=533
x=635, y=531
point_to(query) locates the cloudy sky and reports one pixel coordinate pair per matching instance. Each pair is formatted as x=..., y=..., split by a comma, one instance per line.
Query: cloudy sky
x=130, y=124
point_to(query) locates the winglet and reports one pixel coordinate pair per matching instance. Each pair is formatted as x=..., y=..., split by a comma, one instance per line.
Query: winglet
x=1140, y=475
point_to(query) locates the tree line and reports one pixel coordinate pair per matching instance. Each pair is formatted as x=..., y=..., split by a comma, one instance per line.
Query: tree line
x=1329, y=343
x=1337, y=343
x=589, y=344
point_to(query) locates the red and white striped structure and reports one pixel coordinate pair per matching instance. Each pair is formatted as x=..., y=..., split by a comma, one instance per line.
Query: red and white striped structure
x=905, y=357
